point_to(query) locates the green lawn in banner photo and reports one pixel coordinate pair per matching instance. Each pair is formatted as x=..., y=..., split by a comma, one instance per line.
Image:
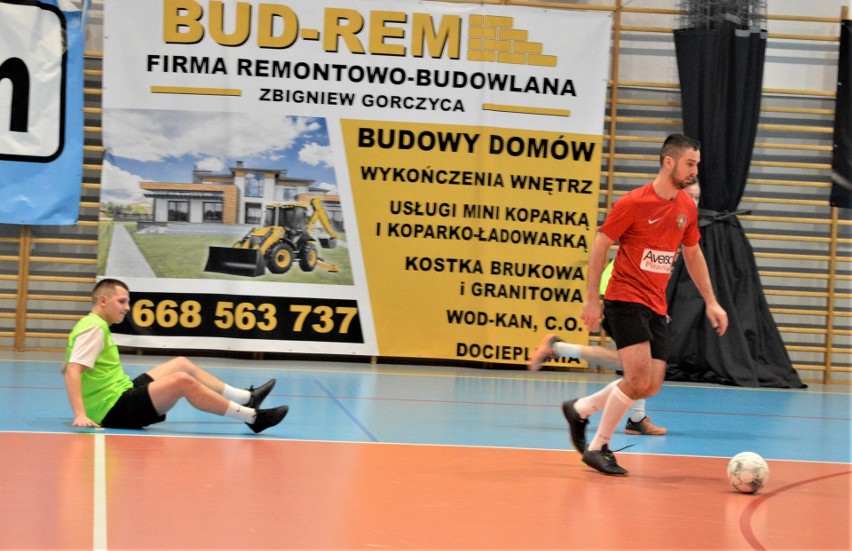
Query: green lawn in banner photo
x=184, y=256
x=104, y=242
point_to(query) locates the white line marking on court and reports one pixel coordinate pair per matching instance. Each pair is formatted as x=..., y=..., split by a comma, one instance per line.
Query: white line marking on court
x=99, y=530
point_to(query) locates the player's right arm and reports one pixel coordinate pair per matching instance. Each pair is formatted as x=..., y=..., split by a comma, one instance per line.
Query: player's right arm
x=74, y=387
x=592, y=312
x=87, y=347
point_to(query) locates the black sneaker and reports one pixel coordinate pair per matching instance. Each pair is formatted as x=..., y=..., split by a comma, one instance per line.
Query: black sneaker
x=258, y=395
x=268, y=418
x=645, y=426
x=603, y=461
x=577, y=425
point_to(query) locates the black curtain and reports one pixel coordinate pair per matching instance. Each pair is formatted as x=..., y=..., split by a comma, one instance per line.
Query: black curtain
x=841, y=189
x=721, y=76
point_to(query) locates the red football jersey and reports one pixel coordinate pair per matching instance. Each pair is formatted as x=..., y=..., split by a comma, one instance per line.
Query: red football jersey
x=649, y=230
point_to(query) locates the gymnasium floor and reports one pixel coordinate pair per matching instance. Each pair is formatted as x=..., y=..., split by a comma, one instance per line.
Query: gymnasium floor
x=402, y=457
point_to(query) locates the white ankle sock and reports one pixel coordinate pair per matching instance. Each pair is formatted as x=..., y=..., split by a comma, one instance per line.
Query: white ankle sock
x=637, y=412
x=566, y=350
x=244, y=414
x=616, y=406
x=238, y=395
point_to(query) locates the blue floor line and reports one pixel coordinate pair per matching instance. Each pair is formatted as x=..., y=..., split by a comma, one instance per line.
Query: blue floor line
x=346, y=410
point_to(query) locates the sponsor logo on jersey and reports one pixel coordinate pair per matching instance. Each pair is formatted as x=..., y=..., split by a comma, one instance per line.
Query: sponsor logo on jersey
x=659, y=262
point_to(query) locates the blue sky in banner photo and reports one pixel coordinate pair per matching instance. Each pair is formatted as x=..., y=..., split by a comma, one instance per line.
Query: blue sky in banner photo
x=165, y=146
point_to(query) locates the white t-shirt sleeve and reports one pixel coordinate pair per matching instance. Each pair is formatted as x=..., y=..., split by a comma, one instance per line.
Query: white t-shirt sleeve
x=87, y=346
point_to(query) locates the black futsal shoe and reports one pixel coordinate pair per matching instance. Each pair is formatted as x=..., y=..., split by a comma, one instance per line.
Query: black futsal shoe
x=268, y=418
x=577, y=425
x=603, y=461
x=258, y=395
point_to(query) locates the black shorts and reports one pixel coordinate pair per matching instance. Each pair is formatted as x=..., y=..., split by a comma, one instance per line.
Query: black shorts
x=630, y=323
x=134, y=408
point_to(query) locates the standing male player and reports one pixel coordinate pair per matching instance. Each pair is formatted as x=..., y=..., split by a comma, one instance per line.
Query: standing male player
x=649, y=223
x=552, y=347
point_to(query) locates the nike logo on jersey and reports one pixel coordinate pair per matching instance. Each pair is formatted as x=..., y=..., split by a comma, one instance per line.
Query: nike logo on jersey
x=654, y=221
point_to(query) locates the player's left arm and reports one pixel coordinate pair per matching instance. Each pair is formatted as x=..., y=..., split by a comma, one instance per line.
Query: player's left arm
x=697, y=267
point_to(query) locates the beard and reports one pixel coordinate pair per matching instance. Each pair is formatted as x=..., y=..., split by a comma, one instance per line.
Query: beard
x=684, y=183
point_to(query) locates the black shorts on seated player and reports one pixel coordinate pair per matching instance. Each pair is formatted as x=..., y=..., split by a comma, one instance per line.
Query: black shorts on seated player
x=134, y=408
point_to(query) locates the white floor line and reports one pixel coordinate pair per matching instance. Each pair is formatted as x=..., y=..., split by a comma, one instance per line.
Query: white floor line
x=99, y=532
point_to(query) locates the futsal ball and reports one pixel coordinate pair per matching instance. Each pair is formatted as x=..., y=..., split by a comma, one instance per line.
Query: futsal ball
x=748, y=472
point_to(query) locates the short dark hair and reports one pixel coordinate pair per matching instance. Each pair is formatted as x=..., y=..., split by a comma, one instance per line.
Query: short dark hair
x=675, y=144
x=107, y=284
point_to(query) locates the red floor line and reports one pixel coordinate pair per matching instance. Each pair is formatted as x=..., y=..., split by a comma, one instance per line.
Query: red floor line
x=748, y=512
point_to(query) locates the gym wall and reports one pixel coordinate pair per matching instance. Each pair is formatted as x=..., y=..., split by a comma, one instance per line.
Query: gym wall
x=802, y=244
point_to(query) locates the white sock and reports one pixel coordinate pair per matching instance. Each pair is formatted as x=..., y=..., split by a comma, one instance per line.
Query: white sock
x=637, y=412
x=238, y=395
x=566, y=350
x=591, y=404
x=616, y=406
x=244, y=414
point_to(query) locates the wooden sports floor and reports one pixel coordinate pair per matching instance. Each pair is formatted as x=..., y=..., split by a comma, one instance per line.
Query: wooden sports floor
x=401, y=457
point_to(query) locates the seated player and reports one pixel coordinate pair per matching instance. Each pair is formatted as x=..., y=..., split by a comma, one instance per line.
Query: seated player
x=101, y=393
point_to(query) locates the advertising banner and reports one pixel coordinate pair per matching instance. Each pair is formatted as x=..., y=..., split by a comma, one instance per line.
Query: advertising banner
x=41, y=112
x=393, y=178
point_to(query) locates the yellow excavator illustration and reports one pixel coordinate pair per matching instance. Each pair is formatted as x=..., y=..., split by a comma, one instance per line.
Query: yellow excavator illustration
x=287, y=236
